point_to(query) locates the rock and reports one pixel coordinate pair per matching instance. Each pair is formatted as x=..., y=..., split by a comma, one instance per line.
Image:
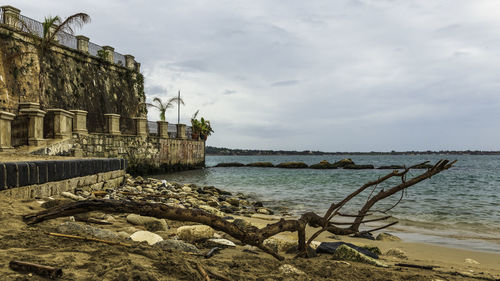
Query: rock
x=342, y=263
x=358, y=167
x=233, y=201
x=344, y=252
x=364, y=235
x=264, y=211
x=123, y=235
x=323, y=165
x=148, y=190
x=147, y=236
x=179, y=245
x=222, y=241
x=471, y=261
x=258, y=204
x=288, y=269
x=387, y=237
x=391, y=167
x=331, y=248
x=72, y=196
x=398, y=253
x=242, y=223
x=315, y=244
x=151, y=223
x=129, y=189
x=261, y=164
x=342, y=163
x=211, y=210
x=292, y=165
x=279, y=244
x=230, y=164
x=86, y=230
x=193, y=233
x=186, y=189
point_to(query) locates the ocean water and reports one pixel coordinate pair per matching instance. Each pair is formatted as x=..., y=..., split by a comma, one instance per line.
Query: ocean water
x=459, y=207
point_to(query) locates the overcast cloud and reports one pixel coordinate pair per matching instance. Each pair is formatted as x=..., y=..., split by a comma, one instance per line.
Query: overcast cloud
x=347, y=75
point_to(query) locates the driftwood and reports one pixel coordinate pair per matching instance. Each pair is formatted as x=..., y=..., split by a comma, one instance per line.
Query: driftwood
x=42, y=270
x=252, y=235
x=89, y=239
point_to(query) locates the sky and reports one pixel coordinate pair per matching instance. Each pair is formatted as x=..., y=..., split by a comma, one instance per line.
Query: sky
x=345, y=75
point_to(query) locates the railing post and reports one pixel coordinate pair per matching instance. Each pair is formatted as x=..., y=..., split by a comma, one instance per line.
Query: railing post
x=181, y=131
x=5, y=130
x=11, y=16
x=113, y=123
x=82, y=44
x=162, y=129
x=129, y=62
x=35, y=116
x=79, y=121
x=141, y=128
x=62, y=122
x=110, y=53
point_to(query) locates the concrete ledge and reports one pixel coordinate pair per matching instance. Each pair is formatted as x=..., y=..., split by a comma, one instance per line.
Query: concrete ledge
x=19, y=174
x=115, y=179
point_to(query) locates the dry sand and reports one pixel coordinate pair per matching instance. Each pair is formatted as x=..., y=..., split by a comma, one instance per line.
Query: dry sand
x=82, y=260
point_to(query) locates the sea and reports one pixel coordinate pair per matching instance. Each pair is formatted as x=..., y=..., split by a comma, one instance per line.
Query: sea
x=459, y=207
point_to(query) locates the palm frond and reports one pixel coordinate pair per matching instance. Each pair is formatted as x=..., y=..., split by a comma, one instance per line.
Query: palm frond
x=77, y=20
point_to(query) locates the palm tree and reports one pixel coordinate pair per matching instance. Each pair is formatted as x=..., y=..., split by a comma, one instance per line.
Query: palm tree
x=53, y=27
x=163, y=106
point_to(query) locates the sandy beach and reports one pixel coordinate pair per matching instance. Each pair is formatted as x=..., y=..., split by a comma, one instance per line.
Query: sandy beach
x=87, y=260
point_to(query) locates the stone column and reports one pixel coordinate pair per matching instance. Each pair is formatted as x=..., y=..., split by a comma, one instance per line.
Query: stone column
x=11, y=16
x=181, y=131
x=5, y=130
x=110, y=53
x=113, y=123
x=129, y=62
x=35, y=125
x=82, y=44
x=63, y=121
x=141, y=128
x=162, y=129
x=79, y=121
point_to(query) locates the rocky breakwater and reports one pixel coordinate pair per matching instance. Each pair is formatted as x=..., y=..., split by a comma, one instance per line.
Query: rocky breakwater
x=345, y=163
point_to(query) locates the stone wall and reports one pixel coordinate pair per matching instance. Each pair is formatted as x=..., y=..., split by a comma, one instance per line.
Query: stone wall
x=73, y=79
x=144, y=154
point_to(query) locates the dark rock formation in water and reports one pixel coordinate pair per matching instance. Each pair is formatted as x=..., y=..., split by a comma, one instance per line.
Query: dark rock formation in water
x=323, y=165
x=230, y=164
x=261, y=164
x=292, y=165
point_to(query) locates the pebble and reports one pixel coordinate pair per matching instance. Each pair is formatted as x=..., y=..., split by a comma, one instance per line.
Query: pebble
x=387, y=237
x=471, y=261
x=72, y=196
x=179, y=245
x=151, y=223
x=288, y=269
x=395, y=252
x=75, y=228
x=222, y=241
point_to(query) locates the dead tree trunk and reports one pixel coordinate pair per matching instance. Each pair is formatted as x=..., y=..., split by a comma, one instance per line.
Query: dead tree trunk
x=253, y=235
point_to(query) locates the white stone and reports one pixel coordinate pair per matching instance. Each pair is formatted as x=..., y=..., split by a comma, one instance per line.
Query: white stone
x=193, y=233
x=72, y=196
x=222, y=241
x=147, y=236
x=186, y=188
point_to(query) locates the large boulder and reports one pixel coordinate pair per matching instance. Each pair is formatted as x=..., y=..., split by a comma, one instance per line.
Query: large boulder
x=150, y=237
x=323, y=165
x=292, y=165
x=279, y=244
x=342, y=163
x=261, y=164
x=191, y=233
x=74, y=228
x=331, y=248
x=151, y=223
x=211, y=210
x=230, y=164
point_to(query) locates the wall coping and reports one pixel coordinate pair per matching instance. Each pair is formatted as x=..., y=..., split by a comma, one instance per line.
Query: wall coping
x=61, y=111
x=7, y=115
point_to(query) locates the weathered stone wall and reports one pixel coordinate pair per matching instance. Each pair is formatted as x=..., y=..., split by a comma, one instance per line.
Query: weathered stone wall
x=144, y=154
x=74, y=80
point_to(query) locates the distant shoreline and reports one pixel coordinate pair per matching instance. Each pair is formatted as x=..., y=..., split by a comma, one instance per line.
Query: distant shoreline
x=221, y=151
